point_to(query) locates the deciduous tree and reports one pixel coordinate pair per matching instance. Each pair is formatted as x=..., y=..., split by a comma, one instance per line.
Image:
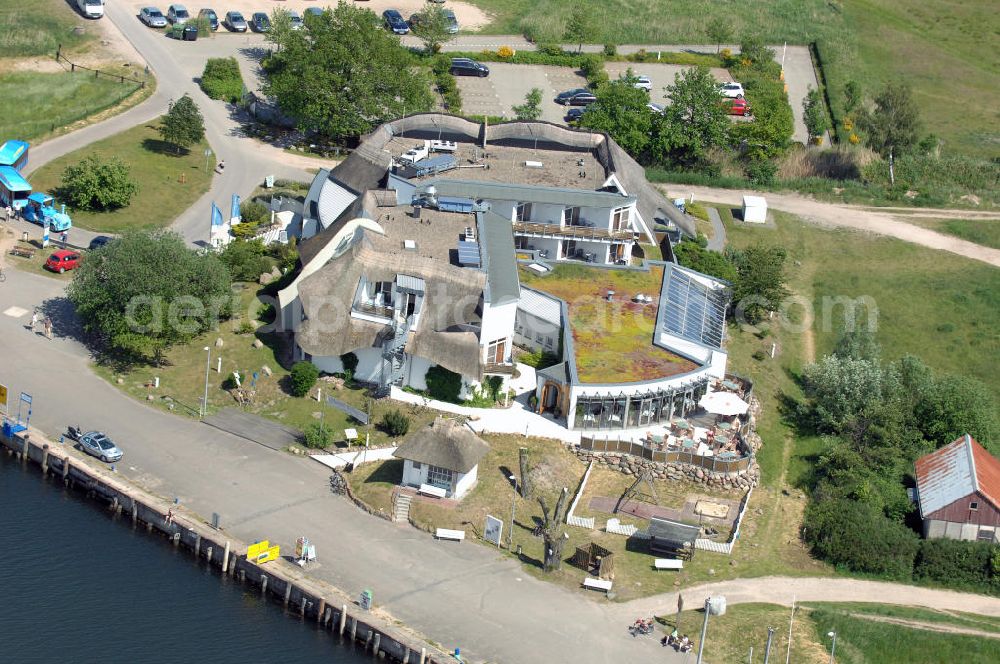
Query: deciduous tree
x=720, y=31
x=581, y=24
x=531, y=109
x=693, y=123
x=622, y=111
x=343, y=74
x=553, y=535
x=183, y=125
x=814, y=113
x=433, y=27
x=891, y=126
x=760, y=283
x=96, y=184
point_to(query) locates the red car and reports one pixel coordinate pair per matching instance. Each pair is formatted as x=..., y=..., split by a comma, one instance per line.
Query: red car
x=63, y=260
x=738, y=107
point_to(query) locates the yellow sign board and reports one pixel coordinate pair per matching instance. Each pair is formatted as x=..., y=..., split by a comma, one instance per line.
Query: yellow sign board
x=263, y=552
x=3, y=395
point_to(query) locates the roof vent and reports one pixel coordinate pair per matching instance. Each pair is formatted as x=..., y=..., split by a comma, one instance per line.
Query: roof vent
x=532, y=164
x=409, y=245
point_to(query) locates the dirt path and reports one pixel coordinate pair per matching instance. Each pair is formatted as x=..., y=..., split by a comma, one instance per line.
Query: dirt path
x=835, y=215
x=928, y=626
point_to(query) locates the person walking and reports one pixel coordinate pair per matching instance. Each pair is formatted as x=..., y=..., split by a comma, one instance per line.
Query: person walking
x=48, y=327
x=64, y=238
x=34, y=319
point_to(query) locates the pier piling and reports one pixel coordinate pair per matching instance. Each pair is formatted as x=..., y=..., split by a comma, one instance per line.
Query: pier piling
x=225, y=559
x=323, y=613
x=263, y=584
x=45, y=459
x=343, y=619
x=376, y=643
x=288, y=593
x=423, y=655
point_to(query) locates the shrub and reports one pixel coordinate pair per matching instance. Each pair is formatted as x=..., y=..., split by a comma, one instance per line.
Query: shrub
x=443, y=385
x=860, y=538
x=266, y=313
x=957, y=564
x=96, y=184
x=395, y=423
x=302, y=378
x=245, y=259
x=759, y=355
x=761, y=172
x=229, y=383
x=253, y=212
x=350, y=362
x=610, y=50
x=246, y=327
x=221, y=79
x=551, y=49
x=592, y=68
x=505, y=52
x=539, y=359
x=318, y=436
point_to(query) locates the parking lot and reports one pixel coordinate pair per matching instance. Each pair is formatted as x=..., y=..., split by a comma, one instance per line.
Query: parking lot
x=660, y=75
x=507, y=85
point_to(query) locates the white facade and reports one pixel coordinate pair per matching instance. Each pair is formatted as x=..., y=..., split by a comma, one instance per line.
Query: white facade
x=415, y=474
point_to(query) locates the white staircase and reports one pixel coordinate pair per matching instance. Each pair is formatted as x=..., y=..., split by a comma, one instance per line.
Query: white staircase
x=401, y=508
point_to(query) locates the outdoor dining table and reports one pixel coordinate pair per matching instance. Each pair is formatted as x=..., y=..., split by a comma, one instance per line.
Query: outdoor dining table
x=730, y=385
x=681, y=424
x=725, y=426
x=687, y=443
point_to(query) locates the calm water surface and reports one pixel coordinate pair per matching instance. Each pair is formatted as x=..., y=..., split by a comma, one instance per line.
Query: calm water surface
x=79, y=587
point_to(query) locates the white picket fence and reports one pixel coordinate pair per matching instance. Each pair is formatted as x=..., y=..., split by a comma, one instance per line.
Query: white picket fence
x=726, y=548
x=616, y=527
x=579, y=521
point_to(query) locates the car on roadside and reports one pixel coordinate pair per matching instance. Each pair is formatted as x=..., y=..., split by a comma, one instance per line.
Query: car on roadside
x=260, y=22
x=656, y=108
x=63, y=260
x=394, y=22
x=152, y=17
x=295, y=19
x=737, y=107
x=314, y=11
x=210, y=16
x=235, y=22
x=468, y=67
x=643, y=82
x=452, y=21
x=574, y=114
x=99, y=241
x=576, y=97
x=731, y=90
x=99, y=445
x=178, y=14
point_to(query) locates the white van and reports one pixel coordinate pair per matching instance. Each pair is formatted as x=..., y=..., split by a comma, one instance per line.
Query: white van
x=91, y=8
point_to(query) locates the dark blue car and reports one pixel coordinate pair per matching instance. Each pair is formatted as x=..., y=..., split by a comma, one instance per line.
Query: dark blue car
x=394, y=21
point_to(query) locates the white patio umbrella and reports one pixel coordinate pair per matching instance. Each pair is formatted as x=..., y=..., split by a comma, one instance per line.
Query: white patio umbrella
x=724, y=403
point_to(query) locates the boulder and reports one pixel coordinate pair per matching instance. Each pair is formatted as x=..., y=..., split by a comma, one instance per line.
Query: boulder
x=257, y=343
x=219, y=343
x=266, y=370
x=265, y=279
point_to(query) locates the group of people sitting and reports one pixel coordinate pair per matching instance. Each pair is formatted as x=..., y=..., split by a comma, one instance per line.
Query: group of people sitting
x=680, y=643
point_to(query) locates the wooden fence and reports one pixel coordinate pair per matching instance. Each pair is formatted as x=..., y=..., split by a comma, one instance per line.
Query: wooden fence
x=712, y=463
x=97, y=72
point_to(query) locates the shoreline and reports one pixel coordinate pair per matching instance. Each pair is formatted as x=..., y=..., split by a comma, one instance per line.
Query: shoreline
x=280, y=581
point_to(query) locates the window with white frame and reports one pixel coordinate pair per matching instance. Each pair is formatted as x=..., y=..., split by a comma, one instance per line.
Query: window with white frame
x=496, y=351
x=571, y=216
x=439, y=477
x=620, y=218
x=522, y=212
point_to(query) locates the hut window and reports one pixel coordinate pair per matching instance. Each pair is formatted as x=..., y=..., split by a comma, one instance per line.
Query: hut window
x=439, y=477
x=974, y=506
x=416, y=465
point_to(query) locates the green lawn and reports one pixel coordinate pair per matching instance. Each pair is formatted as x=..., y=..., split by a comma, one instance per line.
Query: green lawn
x=941, y=48
x=168, y=183
x=38, y=27
x=981, y=231
x=959, y=619
x=36, y=264
x=34, y=105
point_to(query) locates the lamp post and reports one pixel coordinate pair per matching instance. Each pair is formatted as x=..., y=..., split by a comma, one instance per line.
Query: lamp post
x=208, y=367
x=833, y=646
x=513, y=506
x=704, y=628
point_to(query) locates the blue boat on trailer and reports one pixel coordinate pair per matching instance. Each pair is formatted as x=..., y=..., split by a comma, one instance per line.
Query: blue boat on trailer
x=14, y=154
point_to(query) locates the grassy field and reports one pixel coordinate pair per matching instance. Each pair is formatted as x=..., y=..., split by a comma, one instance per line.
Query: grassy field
x=913, y=613
x=34, y=104
x=168, y=183
x=941, y=48
x=36, y=264
x=182, y=379
x=38, y=27
x=981, y=231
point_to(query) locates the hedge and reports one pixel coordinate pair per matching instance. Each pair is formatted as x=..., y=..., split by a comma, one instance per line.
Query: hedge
x=958, y=564
x=221, y=79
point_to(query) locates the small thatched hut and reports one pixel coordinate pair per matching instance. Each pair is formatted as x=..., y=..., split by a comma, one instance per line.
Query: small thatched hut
x=444, y=455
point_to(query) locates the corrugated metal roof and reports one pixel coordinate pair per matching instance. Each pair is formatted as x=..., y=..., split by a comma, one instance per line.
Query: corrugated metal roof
x=415, y=284
x=11, y=151
x=540, y=306
x=13, y=180
x=955, y=471
x=334, y=198
x=498, y=191
x=496, y=235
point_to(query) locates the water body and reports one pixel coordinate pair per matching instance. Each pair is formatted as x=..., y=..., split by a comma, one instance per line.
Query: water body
x=77, y=586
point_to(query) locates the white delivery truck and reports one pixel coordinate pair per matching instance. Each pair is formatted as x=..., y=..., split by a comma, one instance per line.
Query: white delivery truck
x=91, y=8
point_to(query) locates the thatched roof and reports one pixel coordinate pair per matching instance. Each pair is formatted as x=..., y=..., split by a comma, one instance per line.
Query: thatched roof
x=449, y=304
x=446, y=444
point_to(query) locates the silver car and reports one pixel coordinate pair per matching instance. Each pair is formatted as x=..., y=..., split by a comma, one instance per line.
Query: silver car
x=99, y=445
x=152, y=17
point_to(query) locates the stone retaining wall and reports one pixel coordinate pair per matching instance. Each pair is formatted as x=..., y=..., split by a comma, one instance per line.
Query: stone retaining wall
x=632, y=465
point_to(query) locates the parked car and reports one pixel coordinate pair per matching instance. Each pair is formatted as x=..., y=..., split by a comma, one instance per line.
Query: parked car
x=468, y=67
x=260, y=22
x=91, y=8
x=394, y=22
x=314, y=11
x=732, y=90
x=576, y=97
x=574, y=114
x=152, y=17
x=656, y=108
x=99, y=445
x=63, y=260
x=210, y=16
x=643, y=83
x=738, y=107
x=295, y=19
x=178, y=14
x=235, y=22
x=452, y=21
x=99, y=242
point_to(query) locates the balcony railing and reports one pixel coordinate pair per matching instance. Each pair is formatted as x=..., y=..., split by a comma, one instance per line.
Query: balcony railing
x=572, y=232
x=499, y=368
x=374, y=310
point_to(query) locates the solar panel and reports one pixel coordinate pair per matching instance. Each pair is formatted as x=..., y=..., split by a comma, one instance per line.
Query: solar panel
x=694, y=311
x=468, y=253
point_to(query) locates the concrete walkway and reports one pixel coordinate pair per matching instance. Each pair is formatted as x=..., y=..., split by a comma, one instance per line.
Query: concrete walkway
x=718, y=240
